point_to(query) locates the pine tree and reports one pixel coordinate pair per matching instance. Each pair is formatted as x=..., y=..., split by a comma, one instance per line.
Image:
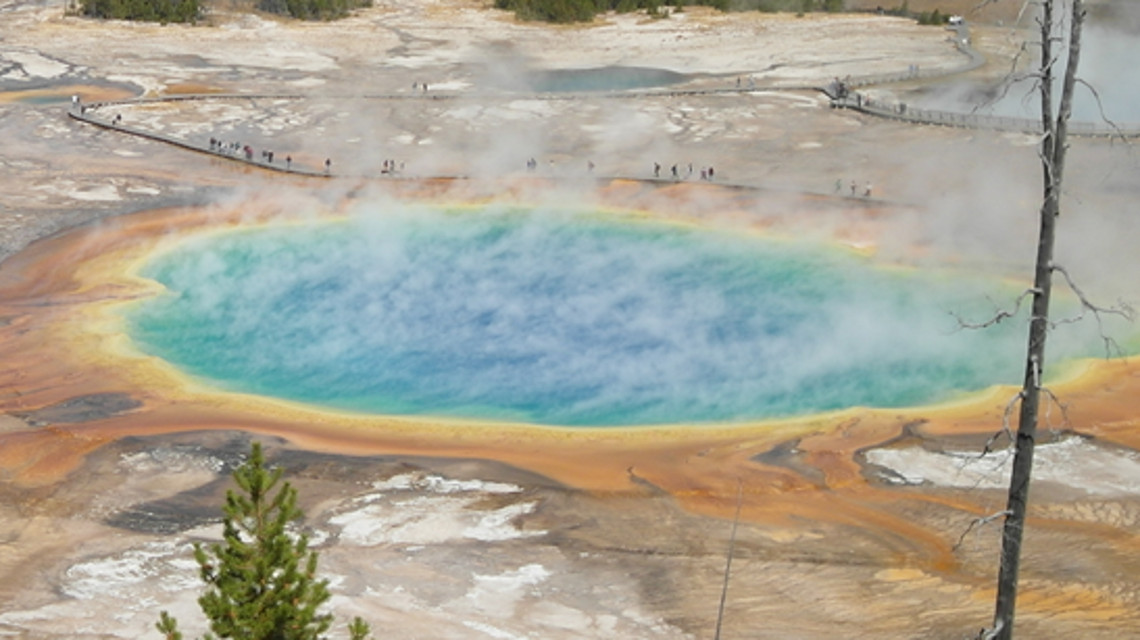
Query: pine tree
x=261, y=580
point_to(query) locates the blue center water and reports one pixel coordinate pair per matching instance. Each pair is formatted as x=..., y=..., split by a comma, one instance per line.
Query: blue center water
x=565, y=319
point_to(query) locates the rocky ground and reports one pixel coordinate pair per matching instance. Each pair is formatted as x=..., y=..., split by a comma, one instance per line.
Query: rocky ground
x=433, y=546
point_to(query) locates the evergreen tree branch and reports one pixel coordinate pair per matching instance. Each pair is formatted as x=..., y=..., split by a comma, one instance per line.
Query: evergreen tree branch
x=261, y=579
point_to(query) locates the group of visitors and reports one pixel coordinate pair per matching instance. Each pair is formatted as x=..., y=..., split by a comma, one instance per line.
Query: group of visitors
x=238, y=150
x=707, y=173
x=246, y=152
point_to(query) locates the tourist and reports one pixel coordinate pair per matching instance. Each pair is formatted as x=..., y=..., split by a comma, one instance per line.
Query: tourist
x=852, y=187
x=867, y=191
x=656, y=170
x=328, y=165
x=674, y=172
x=710, y=174
x=288, y=163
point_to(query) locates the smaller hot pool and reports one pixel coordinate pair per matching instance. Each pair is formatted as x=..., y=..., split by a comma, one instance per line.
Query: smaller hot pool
x=614, y=78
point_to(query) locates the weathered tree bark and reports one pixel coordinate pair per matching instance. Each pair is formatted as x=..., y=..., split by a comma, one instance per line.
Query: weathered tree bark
x=1053, y=147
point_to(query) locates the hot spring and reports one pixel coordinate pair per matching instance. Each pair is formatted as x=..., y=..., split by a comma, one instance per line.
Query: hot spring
x=601, y=79
x=587, y=80
x=567, y=318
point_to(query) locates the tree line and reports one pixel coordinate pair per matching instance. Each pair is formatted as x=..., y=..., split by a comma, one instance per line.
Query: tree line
x=568, y=11
x=190, y=11
x=312, y=9
x=556, y=11
x=163, y=11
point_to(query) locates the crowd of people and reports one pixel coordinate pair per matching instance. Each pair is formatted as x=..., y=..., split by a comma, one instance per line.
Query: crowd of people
x=707, y=173
x=266, y=156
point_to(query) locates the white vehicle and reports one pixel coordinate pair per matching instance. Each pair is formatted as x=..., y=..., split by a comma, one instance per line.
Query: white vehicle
x=955, y=21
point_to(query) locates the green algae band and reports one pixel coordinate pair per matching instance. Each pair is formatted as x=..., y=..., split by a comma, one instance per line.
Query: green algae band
x=563, y=319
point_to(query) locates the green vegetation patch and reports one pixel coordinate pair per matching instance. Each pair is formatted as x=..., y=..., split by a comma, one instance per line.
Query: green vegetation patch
x=163, y=11
x=569, y=11
x=312, y=9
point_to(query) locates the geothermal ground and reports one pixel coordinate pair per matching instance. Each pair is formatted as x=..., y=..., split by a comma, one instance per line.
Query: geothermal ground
x=855, y=524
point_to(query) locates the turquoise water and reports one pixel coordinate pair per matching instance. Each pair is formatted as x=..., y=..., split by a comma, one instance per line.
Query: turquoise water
x=566, y=319
x=601, y=79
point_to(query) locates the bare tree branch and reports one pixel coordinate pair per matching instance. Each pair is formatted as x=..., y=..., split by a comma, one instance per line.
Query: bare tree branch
x=1012, y=78
x=1021, y=11
x=1100, y=107
x=1121, y=309
x=1005, y=424
x=1064, y=408
x=978, y=522
x=999, y=315
x=991, y=634
x=1006, y=428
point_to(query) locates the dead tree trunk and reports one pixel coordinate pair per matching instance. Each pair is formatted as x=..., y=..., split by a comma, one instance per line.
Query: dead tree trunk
x=1053, y=148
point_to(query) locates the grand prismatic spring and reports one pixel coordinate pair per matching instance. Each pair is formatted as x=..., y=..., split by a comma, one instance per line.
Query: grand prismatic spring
x=559, y=318
x=531, y=386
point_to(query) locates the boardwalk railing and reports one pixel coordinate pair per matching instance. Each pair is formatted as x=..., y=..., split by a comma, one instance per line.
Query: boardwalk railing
x=843, y=98
x=86, y=113
x=901, y=111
